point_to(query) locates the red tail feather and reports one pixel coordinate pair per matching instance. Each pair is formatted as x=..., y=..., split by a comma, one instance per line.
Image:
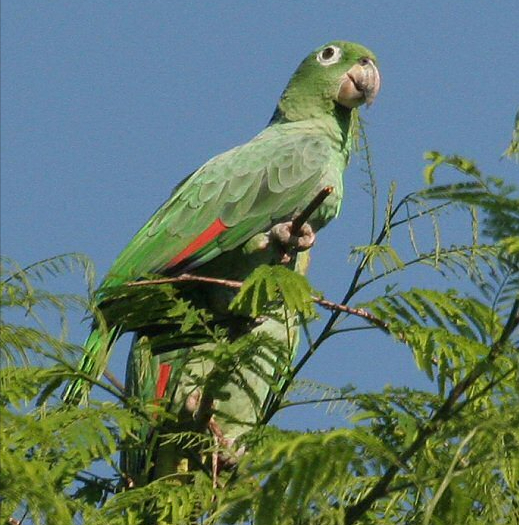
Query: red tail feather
x=162, y=383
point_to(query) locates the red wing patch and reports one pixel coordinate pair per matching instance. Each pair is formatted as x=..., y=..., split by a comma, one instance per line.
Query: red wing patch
x=210, y=233
x=162, y=383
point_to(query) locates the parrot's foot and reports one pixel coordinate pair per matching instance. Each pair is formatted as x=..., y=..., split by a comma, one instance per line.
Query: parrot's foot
x=283, y=235
x=192, y=403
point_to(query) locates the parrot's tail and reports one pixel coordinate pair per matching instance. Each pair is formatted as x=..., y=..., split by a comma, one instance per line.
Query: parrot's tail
x=98, y=347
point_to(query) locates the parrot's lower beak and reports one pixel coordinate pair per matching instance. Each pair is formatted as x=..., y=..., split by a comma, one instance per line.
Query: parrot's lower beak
x=359, y=85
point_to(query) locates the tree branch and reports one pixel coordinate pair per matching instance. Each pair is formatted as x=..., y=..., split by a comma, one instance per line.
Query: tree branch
x=325, y=303
x=342, y=307
x=114, y=381
x=298, y=222
x=446, y=410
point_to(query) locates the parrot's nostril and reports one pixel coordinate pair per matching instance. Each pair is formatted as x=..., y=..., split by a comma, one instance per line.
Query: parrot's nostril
x=364, y=61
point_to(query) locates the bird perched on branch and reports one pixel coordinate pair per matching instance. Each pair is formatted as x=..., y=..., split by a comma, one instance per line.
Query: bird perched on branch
x=233, y=214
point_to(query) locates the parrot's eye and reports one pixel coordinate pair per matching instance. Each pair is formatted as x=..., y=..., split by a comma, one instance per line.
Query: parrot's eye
x=329, y=55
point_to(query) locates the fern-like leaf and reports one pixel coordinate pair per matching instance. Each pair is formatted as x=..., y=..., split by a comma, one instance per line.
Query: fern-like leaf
x=267, y=286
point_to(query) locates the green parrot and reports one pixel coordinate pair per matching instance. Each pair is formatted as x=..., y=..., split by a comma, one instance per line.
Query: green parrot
x=224, y=220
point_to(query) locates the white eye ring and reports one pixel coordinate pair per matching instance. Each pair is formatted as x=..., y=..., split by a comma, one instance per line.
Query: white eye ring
x=329, y=55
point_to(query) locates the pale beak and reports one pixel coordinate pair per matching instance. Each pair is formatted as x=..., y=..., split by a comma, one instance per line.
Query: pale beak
x=359, y=85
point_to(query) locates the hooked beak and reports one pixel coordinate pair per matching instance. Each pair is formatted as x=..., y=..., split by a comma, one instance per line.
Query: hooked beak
x=359, y=85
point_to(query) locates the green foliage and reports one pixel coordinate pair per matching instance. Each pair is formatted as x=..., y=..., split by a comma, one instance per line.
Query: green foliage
x=384, y=254
x=460, y=163
x=268, y=286
x=164, y=503
x=442, y=328
x=513, y=149
x=489, y=194
x=44, y=448
x=446, y=455
x=18, y=293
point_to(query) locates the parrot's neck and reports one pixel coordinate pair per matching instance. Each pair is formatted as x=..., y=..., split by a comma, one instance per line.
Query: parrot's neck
x=342, y=116
x=336, y=120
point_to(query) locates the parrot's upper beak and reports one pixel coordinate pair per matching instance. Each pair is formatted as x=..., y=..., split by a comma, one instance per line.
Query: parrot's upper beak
x=359, y=85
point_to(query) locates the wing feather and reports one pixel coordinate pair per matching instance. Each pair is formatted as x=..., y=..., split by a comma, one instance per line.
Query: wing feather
x=247, y=188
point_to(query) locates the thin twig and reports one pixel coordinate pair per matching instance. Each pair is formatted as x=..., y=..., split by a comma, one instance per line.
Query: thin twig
x=316, y=401
x=444, y=413
x=419, y=214
x=298, y=222
x=359, y=312
x=114, y=381
x=104, y=483
x=325, y=332
x=325, y=303
x=421, y=258
x=188, y=277
x=371, y=174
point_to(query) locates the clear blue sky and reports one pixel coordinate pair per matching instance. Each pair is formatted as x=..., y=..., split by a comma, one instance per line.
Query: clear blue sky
x=107, y=105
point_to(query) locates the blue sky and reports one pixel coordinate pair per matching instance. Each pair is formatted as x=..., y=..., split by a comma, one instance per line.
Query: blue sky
x=107, y=105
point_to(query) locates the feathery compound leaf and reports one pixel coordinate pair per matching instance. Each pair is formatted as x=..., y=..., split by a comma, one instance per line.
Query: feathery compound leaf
x=497, y=200
x=512, y=151
x=53, y=266
x=295, y=473
x=263, y=290
x=438, y=326
x=385, y=254
x=456, y=161
x=162, y=502
x=42, y=452
x=22, y=384
x=21, y=343
x=305, y=477
x=510, y=245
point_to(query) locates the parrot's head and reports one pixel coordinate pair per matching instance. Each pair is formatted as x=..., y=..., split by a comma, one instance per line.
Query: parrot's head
x=338, y=74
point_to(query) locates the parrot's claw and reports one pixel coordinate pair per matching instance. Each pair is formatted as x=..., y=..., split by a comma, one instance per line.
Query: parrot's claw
x=192, y=403
x=289, y=240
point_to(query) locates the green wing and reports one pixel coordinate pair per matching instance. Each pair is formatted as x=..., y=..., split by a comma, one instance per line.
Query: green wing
x=230, y=199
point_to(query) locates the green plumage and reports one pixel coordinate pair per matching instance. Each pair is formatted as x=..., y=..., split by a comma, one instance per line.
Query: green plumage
x=250, y=188
x=214, y=224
